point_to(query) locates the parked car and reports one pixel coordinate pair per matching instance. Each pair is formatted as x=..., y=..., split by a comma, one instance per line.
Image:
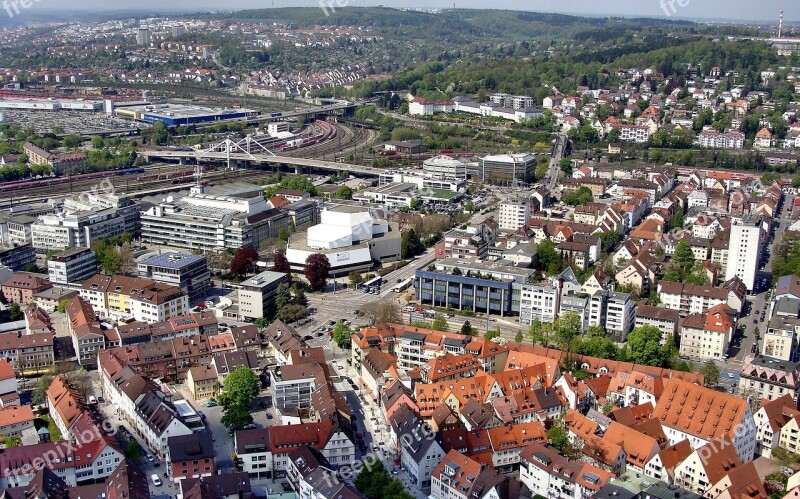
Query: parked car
x=250, y=426
x=150, y=458
x=211, y=403
x=156, y=480
x=269, y=416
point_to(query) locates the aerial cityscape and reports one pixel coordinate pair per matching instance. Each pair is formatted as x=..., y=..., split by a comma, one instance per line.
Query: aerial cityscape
x=360, y=251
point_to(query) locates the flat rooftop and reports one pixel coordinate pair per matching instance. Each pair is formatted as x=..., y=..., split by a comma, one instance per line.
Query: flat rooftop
x=263, y=280
x=172, y=260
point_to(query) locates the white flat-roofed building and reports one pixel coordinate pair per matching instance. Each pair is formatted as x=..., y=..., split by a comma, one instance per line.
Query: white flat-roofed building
x=422, y=181
x=257, y=294
x=538, y=302
x=350, y=237
x=744, y=250
x=444, y=167
x=73, y=265
x=84, y=221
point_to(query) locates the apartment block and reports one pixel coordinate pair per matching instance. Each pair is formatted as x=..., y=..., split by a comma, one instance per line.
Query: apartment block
x=72, y=266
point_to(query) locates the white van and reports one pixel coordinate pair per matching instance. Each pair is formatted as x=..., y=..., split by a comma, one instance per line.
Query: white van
x=155, y=479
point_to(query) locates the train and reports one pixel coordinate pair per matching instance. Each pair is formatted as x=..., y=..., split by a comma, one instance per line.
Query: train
x=328, y=133
x=30, y=183
x=170, y=175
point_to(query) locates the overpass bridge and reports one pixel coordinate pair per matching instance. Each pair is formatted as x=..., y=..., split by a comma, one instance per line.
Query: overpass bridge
x=248, y=151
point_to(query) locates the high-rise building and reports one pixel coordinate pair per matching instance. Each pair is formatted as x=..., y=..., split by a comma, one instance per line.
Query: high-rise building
x=514, y=214
x=257, y=295
x=188, y=272
x=744, y=252
x=144, y=36
x=73, y=265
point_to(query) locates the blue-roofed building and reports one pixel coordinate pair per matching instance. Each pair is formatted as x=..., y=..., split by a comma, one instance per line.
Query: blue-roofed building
x=186, y=271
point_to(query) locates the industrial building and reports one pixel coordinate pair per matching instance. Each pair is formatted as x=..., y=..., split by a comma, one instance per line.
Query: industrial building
x=175, y=114
x=350, y=236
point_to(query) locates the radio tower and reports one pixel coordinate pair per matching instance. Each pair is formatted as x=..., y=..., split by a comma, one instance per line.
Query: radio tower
x=780, y=25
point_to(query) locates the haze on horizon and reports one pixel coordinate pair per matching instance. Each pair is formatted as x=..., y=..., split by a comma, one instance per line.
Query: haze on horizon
x=735, y=10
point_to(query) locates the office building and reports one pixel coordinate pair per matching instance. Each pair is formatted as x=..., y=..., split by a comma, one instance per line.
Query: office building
x=72, y=265
x=422, y=182
x=17, y=257
x=744, y=252
x=514, y=214
x=85, y=219
x=538, y=302
x=257, y=295
x=444, y=167
x=228, y=217
x=507, y=168
x=470, y=284
x=185, y=271
x=144, y=36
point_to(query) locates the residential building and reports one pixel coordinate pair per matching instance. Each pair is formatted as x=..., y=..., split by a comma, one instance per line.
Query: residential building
x=706, y=466
x=29, y=353
x=464, y=243
x=770, y=419
x=15, y=419
x=781, y=337
x=84, y=220
x=548, y=474
x=59, y=162
x=707, y=336
x=326, y=437
x=539, y=302
x=190, y=456
x=202, y=382
x=185, y=271
x=87, y=333
x=766, y=378
x=143, y=300
x=421, y=106
x=311, y=477
x=72, y=266
x=257, y=295
x=744, y=253
x=514, y=214
x=20, y=287
x=613, y=311
x=253, y=449
x=693, y=299
x=227, y=486
x=665, y=319
x=703, y=415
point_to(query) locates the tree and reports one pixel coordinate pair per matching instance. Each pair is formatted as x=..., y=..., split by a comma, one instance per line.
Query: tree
x=317, y=270
x=547, y=256
x=597, y=344
x=355, y=278
x=537, y=332
x=490, y=335
x=244, y=261
x=261, y=323
x=241, y=387
x=40, y=388
x=292, y=312
x=341, y=335
x=283, y=234
x=466, y=328
x=133, y=450
x=283, y=296
x=644, y=347
x=410, y=245
x=280, y=263
x=558, y=436
x=15, y=312
x=768, y=178
x=384, y=311
x=344, y=192
x=568, y=327
x=577, y=197
x=566, y=166
x=112, y=261
x=415, y=204
x=439, y=323
x=711, y=373
x=375, y=483
x=683, y=257
x=518, y=337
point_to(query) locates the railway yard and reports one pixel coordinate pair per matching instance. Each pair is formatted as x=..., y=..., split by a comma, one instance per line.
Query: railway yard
x=320, y=140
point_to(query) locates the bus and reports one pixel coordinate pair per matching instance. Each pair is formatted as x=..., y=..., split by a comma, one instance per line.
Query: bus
x=403, y=285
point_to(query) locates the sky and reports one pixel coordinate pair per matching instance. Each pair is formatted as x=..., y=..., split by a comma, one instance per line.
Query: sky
x=736, y=10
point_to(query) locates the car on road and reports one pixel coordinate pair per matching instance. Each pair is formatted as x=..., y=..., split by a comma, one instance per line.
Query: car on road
x=308, y=337
x=156, y=480
x=150, y=458
x=731, y=375
x=211, y=403
x=269, y=415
